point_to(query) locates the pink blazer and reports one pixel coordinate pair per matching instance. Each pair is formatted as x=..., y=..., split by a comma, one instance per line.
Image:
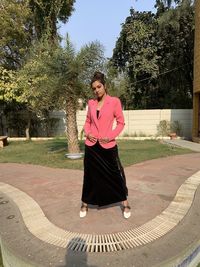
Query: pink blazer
x=103, y=126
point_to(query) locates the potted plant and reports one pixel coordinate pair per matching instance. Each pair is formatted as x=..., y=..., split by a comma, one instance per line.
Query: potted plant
x=176, y=129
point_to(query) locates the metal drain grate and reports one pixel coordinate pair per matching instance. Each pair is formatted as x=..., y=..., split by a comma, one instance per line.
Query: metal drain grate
x=146, y=233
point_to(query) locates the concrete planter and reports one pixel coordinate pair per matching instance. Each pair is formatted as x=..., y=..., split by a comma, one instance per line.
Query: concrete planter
x=74, y=155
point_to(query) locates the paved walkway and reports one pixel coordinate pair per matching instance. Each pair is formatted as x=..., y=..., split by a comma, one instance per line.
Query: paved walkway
x=184, y=143
x=40, y=224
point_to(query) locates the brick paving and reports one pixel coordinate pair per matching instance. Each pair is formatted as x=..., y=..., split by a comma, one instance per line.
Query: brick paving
x=152, y=187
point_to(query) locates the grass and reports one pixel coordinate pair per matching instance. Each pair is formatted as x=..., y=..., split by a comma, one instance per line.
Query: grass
x=132, y=152
x=52, y=152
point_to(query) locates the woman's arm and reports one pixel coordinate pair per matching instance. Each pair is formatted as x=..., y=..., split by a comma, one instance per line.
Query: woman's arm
x=87, y=124
x=119, y=119
x=87, y=127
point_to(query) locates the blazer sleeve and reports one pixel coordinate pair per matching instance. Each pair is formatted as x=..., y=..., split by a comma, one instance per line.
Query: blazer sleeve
x=119, y=120
x=87, y=124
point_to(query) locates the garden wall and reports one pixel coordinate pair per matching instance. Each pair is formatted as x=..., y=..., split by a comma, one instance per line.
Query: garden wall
x=137, y=122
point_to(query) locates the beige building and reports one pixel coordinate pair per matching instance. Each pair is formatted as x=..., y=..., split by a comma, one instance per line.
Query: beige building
x=196, y=85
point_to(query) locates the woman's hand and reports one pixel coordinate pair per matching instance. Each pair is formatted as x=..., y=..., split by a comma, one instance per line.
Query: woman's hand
x=92, y=138
x=104, y=140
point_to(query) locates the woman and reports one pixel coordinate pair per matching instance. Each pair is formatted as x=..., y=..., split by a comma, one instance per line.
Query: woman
x=104, y=180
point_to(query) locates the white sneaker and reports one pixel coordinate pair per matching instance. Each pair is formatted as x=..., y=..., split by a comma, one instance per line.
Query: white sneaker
x=83, y=213
x=127, y=214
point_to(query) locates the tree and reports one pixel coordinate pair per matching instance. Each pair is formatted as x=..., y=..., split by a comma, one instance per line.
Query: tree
x=16, y=32
x=155, y=52
x=135, y=55
x=176, y=42
x=23, y=23
x=166, y=3
x=16, y=38
x=57, y=78
x=46, y=14
x=8, y=85
x=10, y=96
x=77, y=68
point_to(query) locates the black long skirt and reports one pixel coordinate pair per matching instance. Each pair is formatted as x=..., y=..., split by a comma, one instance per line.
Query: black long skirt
x=104, y=180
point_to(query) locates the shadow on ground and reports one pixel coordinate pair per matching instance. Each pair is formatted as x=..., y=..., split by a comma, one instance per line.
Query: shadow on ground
x=76, y=258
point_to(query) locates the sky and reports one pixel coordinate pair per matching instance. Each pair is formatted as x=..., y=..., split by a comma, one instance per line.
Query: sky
x=100, y=20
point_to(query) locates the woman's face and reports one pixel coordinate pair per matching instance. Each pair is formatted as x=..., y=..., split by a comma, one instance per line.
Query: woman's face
x=98, y=89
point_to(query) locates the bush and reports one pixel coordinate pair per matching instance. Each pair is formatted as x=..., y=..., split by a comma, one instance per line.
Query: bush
x=165, y=128
x=177, y=128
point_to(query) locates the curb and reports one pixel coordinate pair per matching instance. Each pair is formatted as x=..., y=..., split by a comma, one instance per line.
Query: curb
x=10, y=259
x=188, y=258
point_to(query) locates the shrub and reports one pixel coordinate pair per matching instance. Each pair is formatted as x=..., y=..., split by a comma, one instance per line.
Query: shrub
x=163, y=128
x=177, y=128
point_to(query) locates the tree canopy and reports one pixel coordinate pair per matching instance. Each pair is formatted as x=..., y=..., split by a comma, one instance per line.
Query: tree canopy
x=22, y=22
x=16, y=32
x=155, y=53
x=47, y=13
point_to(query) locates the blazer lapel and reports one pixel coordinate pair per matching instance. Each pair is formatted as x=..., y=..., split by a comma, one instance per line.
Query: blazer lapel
x=94, y=111
x=105, y=105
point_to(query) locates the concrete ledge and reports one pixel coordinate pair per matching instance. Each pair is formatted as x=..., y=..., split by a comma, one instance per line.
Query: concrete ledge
x=10, y=259
x=144, y=138
x=189, y=258
x=118, y=138
x=138, y=138
x=32, y=138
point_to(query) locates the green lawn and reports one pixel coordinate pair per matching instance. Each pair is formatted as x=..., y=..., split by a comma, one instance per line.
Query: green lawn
x=52, y=152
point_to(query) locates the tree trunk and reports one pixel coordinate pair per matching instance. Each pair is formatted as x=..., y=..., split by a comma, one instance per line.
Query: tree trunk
x=27, y=131
x=47, y=123
x=72, y=130
x=2, y=124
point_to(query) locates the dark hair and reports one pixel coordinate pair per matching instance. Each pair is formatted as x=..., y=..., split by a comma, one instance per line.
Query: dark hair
x=98, y=76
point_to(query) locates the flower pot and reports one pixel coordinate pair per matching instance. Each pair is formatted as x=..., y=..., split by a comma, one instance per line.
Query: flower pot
x=172, y=135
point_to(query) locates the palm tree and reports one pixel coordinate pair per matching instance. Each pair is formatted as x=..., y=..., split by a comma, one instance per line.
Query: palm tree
x=56, y=77
x=75, y=70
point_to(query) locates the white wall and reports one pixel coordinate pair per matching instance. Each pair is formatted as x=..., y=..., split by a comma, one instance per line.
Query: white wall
x=137, y=122
x=146, y=121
